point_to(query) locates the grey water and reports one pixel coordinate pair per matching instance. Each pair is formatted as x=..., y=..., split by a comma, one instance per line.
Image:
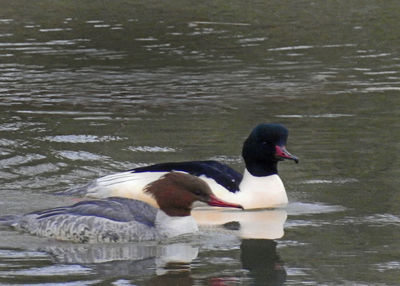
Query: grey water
x=88, y=88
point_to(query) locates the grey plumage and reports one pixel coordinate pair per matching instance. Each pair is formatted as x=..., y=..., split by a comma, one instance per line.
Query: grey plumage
x=107, y=220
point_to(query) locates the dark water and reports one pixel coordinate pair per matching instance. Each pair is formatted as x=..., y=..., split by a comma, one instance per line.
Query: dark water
x=94, y=87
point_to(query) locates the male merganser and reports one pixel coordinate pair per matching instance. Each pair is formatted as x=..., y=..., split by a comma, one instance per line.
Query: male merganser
x=117, y=219
x=259, y=186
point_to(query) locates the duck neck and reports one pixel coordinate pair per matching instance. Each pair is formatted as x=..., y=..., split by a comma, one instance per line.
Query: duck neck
x=263, y=170
x=170, y=226
x=175, y=212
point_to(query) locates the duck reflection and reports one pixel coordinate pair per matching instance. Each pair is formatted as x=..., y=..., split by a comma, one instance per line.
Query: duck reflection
x=172, y=279
x=249, y=224
x=260, y=257
x=258, y=230
x=171, y=264
x=145, y=259
x=264, y=265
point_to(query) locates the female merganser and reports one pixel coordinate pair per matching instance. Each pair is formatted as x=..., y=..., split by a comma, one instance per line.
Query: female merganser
x=259, y=186
x=117, y=219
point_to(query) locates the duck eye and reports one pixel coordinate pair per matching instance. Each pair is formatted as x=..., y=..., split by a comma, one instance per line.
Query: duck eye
x=197, y=192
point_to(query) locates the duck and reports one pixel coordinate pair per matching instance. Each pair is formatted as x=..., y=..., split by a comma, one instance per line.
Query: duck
x=117, y=219
x=258, y=187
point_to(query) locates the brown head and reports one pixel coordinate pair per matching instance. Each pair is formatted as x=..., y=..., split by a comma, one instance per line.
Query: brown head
x=175, y=193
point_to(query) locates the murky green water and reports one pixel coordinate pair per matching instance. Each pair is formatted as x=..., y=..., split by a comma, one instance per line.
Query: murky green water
x=94, y=87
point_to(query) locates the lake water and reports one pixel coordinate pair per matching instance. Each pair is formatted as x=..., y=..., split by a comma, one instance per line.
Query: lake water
x=88, y=88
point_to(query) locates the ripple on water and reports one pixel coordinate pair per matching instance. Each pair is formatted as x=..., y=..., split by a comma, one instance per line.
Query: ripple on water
x=154, y=149
x=285, y=243
x=302, y=223
x=54, y=30
x=8, y=142
x=196, y=23
x=326, y=115
x=23, y=263
x=81, y=138
x=7, y=176
x=19, y=159
x=99, y=118
x=58, y=270
x=290, y=48
x=386, y=266
x=227, y=159
x=14, y=254
x=5, y=151
x=330, y=181
x=80, y=155
x=297, y=271
x=378, y=220
x=122, y=282
x=38, y=169
x=307, y=47
x=15, y=126
x=298, y=208
x=60, y=47
x=382, y=88
x=63, y=112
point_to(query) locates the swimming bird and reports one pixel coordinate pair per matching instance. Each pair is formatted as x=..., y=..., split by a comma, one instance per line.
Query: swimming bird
x=117, y=219
x=259, y=187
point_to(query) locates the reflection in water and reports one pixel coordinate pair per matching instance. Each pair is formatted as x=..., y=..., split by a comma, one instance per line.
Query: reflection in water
x=259, y=256
x=260, y=223
x=172, y=279
x=106, y=252
x=251, y=224
x=156, y=257
x=169, y=263
x=107, y=261
x=152, y=262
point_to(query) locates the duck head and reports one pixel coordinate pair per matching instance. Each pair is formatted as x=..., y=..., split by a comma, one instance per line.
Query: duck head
x=176, y=192
x=264, y=148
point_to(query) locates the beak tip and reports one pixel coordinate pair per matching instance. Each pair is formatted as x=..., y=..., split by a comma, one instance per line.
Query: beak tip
x=282, y=154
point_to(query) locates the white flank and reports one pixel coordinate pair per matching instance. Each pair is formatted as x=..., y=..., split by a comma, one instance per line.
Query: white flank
x=125, y=184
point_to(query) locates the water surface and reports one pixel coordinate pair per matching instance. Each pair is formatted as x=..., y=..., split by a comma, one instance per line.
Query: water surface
x=95, y=87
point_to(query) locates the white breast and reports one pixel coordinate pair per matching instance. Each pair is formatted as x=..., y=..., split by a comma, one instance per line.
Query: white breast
x=257, y=192
x=262, y=192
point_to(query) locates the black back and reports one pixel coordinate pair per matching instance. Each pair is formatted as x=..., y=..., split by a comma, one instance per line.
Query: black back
x=221, y=173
